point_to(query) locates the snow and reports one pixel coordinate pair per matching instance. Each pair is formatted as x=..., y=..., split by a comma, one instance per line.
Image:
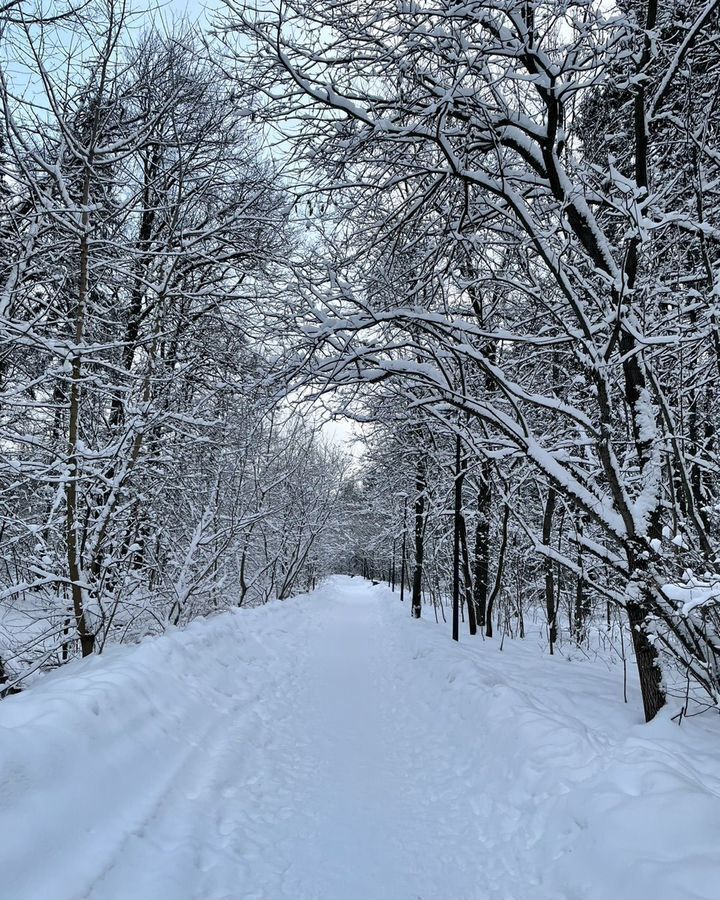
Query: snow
x=694, y=593
x=331, y=748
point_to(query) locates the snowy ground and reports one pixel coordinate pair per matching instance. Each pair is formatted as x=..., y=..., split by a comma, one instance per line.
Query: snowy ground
x=329, y=748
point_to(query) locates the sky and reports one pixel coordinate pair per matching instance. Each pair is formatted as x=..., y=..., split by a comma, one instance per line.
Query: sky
x=193, y=9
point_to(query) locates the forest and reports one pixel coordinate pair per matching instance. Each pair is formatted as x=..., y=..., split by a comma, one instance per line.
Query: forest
x=484, y=233
x=319, y=318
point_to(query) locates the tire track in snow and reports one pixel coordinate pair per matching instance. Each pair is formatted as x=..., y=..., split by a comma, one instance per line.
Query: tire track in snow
x=202, y=838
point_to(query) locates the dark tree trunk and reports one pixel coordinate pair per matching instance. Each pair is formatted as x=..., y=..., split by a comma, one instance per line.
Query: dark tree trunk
x=467, y=584
x=647, y=662
x=403, y=558
x=467, y=577
x=548, y=568
x=498, y=572
x=482, y=546
x=456, y=541
x=582, y=599
x=420, y=487
x=645, y=653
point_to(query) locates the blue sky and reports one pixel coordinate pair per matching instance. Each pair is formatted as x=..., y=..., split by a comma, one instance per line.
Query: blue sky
x=194, y=9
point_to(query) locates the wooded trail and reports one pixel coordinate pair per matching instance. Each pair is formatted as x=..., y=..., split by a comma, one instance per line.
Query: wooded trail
x=335, y=784
x=331, y=748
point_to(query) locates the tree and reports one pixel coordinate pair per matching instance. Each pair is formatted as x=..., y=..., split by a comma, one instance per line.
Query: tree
x=150, y=473
x=458, y=127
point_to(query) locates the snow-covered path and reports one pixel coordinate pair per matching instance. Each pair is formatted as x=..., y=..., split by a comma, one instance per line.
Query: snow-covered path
x=329, y=794
x=331, y=749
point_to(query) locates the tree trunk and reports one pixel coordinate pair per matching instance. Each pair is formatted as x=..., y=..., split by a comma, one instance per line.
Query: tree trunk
x=645, y=653
x=392, y=568
x=482, y=545
x=420, y=487
x=548, y=568
x=582, y=600
x=72, y=524
x=467, y=577
x=498, y=572
x=467, y=594
x=403, y=558
x=646, y=657
x=456, y=541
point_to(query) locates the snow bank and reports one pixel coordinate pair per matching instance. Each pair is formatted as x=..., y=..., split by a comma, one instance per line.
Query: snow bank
x=91, y=750
x=588, y=800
